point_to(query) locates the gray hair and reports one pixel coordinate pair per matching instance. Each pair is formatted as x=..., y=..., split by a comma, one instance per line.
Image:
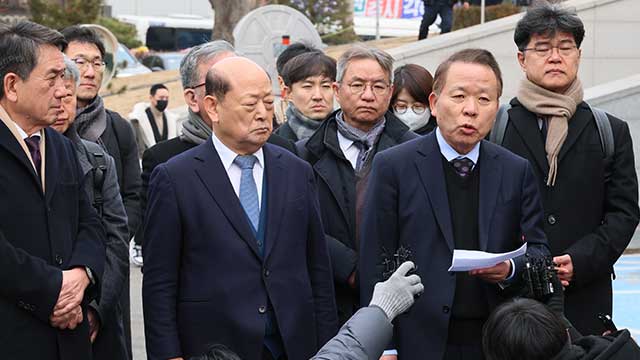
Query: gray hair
x=71, y=70
x=197, y=55
x=360, y=51
x=19, y=46
x=548, y=19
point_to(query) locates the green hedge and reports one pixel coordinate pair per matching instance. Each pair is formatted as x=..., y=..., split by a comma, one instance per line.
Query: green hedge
x=463, y=18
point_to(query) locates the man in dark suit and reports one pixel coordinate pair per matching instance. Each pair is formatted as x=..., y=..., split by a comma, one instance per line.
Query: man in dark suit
x=234, y=236
x=196, y=129
x=590, y=201
x=52, y=251
x=451, y=190
x=341, y=151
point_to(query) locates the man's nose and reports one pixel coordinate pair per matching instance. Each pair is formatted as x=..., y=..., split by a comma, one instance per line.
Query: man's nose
x=470, y=106
x=368, y=94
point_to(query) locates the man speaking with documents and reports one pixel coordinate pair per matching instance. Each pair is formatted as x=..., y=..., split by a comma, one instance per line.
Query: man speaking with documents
x=445, y=191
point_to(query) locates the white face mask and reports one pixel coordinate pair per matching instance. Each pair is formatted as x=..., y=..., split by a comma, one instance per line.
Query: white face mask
x=414, y=121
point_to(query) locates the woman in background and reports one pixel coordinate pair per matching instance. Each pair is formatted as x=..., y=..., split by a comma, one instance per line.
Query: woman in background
x=410, y=100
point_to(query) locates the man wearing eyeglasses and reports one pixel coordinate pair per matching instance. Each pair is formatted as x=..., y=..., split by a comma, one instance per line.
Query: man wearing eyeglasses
x=108, y=129
x=341, y=151
x=590, y=202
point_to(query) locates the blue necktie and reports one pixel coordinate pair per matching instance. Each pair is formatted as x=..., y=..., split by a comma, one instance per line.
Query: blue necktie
x=463, y=166
x=248, y=191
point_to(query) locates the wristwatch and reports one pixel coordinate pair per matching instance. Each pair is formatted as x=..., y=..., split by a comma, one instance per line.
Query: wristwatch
x=90, y=275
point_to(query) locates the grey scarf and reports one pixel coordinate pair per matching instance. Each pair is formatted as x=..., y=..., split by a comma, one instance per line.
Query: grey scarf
x=365, y=141
x=91, y=120
x=301, y=125
x=195, y=130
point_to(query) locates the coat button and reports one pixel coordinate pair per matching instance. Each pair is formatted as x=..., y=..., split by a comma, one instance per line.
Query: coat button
x=445, y=309
x=262, y=309
x=59, y=259
x=267, y=272
x=551, y=219
x=21, y=304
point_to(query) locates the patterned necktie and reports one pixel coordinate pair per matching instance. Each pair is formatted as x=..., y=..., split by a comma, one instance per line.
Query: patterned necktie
x=33, y=143
x=463, y=166
x=248, y=191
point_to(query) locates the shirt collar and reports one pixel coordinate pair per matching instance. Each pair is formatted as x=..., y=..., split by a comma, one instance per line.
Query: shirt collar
x=227, y=156
x=450, y=153
x=344, y=143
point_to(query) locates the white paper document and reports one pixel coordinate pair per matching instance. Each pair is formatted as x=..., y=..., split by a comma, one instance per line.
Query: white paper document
x=465, y=260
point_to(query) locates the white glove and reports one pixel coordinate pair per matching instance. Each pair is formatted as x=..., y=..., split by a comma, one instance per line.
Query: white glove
x=396, y=295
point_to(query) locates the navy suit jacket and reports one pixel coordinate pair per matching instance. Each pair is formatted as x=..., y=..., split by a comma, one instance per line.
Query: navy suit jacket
x=407, y=205
x=43, y=234
x=204, y=279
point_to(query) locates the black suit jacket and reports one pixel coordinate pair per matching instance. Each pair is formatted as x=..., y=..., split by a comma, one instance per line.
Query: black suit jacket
x=165, y=150
x=407, y=205
x=205, y=281
x=44, y=233
x=337, y=194
x=586, y=216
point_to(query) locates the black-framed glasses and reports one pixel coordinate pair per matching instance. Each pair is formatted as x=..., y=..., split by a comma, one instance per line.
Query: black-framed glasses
x=417, y=108
x=83, y=64
x=545, y=50
x=379, y=88
x=197, y=86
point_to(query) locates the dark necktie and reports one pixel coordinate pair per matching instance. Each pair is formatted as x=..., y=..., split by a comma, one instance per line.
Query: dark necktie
x=33, y=143
x=462, y=166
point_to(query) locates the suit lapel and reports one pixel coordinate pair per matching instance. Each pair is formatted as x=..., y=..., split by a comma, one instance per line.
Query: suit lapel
x=52, y=168
x=526, y=123
x=577, y=124
x=328, y=169
x=274, y=174
x=9, y=142
x=490, y=182
x=213, y=175
x=429, y=165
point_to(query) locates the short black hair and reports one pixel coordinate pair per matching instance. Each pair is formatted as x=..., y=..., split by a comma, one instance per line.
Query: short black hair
x=292, y=51
x=19, y=46
x=84, y=34
x=156, y=87
x=548, y=19
x=307, y=65
x=217, y=352
x=523, y=329
x=217, y=84
x=415, y=79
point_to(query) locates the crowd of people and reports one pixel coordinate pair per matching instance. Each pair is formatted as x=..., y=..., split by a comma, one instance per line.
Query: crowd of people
x=319, y=225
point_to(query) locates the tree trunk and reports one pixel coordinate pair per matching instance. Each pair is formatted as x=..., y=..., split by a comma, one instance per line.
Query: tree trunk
x=227, y=15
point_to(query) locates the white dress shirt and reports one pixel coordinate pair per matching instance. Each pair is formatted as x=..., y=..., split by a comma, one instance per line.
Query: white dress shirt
x=227, y=156
x=349, y=150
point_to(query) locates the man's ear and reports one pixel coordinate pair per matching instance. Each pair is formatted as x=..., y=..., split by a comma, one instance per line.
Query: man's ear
x=211, y=108
x=190, y=99
x=285, y=91
x=521, y=60
x=10, y=84
x=433, y=100
x=281, y=84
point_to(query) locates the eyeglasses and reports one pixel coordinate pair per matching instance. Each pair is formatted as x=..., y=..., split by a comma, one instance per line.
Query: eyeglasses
x=416, y=107
x=83, y=64
x=378, y=88
x=545, y=50
x=197, y=86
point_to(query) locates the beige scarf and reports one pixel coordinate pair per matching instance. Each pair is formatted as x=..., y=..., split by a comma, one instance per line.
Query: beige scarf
x=557, y=109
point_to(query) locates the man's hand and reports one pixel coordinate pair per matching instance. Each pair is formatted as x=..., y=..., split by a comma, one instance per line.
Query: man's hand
x=389, y=357
x=495, y=273
x=564, y=266
x=67, y=321
x=94, y=323
x=74, y=282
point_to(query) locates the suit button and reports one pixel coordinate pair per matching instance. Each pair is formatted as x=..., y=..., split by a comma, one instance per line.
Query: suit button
x=59, y=259
x=262, y=309
x=267, y=272
x=445, y=309
x=551, y=219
